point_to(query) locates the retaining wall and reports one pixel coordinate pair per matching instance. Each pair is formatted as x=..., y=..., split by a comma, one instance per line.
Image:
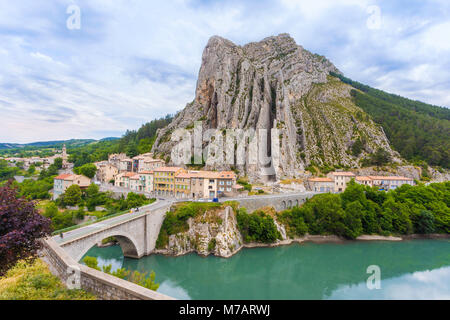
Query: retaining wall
x=102, y=285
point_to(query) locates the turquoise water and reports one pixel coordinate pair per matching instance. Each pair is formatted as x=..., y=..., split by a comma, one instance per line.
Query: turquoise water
x=418, y=269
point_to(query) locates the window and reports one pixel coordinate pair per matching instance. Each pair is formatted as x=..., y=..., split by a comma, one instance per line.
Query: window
x=228, y=189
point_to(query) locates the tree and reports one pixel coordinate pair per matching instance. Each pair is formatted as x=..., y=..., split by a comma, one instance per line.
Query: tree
x=58, y=163
x=424, y=222
x=72, y=196
x=20, y=164
x=7, y=172
x=92, y=191
x=51, y=210
x=380, y=157
x=20, y=229
x=31, y=169
x=52, y=170
x=357, y=147
x=352, y=220
x=88, y=170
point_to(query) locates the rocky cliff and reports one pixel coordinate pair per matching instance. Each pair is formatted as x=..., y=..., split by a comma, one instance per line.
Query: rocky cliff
x=213, y=232
x=275, y=83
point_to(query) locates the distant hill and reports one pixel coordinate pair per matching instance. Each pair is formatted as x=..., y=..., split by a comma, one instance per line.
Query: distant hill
x=49, y=144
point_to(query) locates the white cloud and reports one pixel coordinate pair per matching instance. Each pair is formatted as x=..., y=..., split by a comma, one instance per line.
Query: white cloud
x=132, y=61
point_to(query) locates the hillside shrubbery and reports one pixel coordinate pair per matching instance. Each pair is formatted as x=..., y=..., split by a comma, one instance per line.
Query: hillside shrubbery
x=257, y=227
x=363, y=210
x=133, y=142
x=418, y=131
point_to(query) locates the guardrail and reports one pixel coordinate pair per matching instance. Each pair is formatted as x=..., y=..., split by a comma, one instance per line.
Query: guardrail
x=84, y=224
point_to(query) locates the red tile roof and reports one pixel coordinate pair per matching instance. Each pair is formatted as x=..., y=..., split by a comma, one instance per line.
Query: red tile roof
x=320, y=180
x=346, y=174
x=168, y=169
x=63, y=176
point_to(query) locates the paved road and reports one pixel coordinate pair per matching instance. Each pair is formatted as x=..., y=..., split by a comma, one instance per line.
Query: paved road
x=69, y=235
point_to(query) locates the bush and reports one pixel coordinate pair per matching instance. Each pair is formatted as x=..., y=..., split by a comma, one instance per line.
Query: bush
x=34, y=281
x=72, y=196
x=257, y=227
x=212, y=244
x=293, y=221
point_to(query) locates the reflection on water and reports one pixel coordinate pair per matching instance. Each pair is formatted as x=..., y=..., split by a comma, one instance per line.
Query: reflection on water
x=422, y=285
x=409, y=270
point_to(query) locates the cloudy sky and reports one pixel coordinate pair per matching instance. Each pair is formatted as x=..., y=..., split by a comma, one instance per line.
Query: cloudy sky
x=130, y=61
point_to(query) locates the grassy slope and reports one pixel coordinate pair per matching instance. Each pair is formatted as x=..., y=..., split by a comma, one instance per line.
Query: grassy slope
x=35, y=282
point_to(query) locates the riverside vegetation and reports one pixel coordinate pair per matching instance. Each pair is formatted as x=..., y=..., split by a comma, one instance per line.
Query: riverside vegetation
x=360, y=210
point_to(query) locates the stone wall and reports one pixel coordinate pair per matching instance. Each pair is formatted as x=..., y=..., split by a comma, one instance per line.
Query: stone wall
x=279, y=202
x=102, y=285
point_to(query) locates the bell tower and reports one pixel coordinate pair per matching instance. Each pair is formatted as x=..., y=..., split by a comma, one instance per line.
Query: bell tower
x=65, y=163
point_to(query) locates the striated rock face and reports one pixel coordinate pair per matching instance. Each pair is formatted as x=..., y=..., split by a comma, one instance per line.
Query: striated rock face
x=275, y=83
x=214, y=232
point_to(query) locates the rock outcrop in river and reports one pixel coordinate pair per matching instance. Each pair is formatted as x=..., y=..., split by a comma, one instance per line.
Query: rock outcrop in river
x=214, y=232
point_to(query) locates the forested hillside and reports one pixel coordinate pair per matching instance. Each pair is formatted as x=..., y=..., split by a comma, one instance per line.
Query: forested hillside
x=132, y=143
x=418, y=131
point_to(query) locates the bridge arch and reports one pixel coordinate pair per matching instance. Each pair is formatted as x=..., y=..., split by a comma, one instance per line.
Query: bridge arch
x=127, y=242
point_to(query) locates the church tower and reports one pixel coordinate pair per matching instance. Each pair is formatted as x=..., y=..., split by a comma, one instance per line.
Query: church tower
x=64, y=157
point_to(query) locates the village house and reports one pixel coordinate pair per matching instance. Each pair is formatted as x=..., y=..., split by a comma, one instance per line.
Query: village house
x=204, y=184
x=321, y=184
x=64, y=181
x=125, y=165
x=390, y=182
x=364, y=180
x=341, y=179
x=225, y=183
x=183, y=185
x=115, y=158
x=136, y=183
x=106, y=171
x=151, y=164
x=123, y=179
x=164, y=180
x=147, y=181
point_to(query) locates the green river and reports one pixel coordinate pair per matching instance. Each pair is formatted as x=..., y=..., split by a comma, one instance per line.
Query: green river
x=416, y=269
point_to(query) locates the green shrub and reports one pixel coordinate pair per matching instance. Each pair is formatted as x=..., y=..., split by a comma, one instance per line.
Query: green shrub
x=257, y=227
x=212, y=244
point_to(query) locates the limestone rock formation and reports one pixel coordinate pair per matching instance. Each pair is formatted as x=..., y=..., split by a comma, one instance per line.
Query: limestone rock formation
x=214, y=232
x=277, y=84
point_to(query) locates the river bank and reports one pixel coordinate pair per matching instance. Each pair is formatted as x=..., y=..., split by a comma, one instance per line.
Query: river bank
x=318, y=239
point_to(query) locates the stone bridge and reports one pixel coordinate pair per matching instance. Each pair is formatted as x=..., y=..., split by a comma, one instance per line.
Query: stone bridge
x=136, y=232
x=278, y=201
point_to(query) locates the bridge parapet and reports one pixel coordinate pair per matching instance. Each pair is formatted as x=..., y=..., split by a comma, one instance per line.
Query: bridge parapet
x=279, y=202
x=136, y=235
